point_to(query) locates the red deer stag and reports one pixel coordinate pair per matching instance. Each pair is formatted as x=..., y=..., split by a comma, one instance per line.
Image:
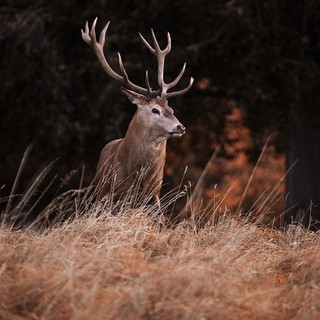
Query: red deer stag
x=144, y=145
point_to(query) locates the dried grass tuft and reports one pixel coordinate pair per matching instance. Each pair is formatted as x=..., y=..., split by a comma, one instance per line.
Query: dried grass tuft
x=131, y=266
x=114, y=259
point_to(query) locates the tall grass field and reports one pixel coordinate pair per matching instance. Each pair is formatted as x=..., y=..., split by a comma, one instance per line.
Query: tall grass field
x=114, y=260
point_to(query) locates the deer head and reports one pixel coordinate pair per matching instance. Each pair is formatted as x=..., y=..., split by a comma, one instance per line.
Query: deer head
x=154, y=121
x=155, y=118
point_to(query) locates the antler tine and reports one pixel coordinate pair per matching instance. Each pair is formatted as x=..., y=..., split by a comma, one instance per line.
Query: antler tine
x=89, y=36
x=122, y=68
x=177, y=79
x=102, y=37
x=147, y=43
x=160, y=55
x=148, y=83
x=93, y=30
x=156, y=43
x=180, y=92
x=175, y=82
x=85, y=34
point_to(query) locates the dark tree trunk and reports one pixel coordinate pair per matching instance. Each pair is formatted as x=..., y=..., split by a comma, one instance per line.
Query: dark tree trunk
x=303, y=162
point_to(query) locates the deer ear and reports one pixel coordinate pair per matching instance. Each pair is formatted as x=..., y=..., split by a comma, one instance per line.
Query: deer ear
x=134, y=97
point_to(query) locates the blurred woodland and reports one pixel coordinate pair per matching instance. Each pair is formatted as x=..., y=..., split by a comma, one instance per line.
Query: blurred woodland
x=256, y=66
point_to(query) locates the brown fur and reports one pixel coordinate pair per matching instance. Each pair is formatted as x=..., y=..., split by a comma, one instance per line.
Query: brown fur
x=142, y=148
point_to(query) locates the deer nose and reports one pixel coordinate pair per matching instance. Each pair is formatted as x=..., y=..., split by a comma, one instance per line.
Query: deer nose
x=181, y=128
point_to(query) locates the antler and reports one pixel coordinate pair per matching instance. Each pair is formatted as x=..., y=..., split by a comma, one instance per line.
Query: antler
x=89, y=36
x=161, y=55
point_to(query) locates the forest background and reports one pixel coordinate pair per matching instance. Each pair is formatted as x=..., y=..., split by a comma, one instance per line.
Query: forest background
x=256, y=66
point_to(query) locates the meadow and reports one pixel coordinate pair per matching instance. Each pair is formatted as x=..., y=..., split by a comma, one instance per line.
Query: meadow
x=135, y=264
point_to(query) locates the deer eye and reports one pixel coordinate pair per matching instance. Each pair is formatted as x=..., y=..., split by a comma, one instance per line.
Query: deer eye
x=154, y=110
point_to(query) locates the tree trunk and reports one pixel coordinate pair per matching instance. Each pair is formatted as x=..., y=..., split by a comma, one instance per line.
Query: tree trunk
x=303, y=163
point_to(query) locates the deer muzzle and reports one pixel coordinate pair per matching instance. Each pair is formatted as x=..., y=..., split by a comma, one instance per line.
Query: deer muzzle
x=179, y=131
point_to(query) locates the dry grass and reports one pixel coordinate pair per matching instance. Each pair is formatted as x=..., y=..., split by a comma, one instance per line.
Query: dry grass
x=131, y=266
x=116, y=260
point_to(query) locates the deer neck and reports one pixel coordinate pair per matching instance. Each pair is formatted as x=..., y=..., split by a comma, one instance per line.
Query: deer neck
x=139, y=134
x=140, y=147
